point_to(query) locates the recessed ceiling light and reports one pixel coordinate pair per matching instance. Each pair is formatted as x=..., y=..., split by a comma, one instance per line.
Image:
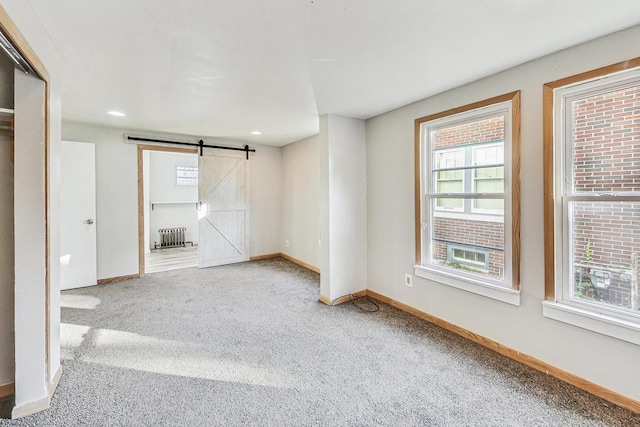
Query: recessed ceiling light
x=116, y=113
x=256, y=132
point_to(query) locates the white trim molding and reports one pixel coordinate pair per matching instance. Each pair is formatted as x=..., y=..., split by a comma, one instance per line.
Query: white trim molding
x=592, y=321
x=500, y=293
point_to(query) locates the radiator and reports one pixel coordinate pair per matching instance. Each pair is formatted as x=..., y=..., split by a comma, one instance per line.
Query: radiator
x=172, y=238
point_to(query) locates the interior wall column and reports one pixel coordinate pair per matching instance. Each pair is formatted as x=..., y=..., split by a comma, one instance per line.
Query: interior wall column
x=343, y=245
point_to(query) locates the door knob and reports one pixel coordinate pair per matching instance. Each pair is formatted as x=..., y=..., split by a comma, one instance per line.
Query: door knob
x=89, y=221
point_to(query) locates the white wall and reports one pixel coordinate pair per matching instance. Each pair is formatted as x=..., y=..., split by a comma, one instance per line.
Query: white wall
x=116, y=198
x=325, y=248
x=324, y=204
x=6, y=232
x=390, y=179
x=301, y=200
x=265, y=197
x=163, y=188
x=30, y=234
x=117, y=195
x=347, y=206
x=29, y=25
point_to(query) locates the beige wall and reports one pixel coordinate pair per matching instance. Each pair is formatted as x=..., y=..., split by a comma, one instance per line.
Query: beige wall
x=390, y=180
x=117, y=195
x=324, y=218
x=301, y=201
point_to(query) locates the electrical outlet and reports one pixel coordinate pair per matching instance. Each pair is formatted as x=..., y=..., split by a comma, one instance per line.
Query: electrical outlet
x=286, y=243
x=408, y=280
x=319, y=243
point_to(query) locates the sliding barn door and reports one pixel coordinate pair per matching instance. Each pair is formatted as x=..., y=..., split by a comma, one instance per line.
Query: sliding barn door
x=223, y=217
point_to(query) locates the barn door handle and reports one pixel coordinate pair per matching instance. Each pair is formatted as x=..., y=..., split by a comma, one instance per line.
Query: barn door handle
x=89, y=221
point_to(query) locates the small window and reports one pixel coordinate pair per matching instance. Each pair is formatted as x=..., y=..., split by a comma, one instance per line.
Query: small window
x=467, y=197
x=593, y=206
x=468, y=256
x=186, y=176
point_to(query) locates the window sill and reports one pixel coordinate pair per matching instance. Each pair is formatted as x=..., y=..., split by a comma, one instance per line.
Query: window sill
x=592, y=321
x=499, y=293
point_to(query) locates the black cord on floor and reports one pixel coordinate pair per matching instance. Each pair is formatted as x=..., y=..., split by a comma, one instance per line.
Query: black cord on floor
x=354, y=297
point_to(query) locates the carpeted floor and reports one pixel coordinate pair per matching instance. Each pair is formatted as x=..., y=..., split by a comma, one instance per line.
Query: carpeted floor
x=249, y=344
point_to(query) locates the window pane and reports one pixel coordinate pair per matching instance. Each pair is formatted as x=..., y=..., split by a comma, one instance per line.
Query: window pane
x=606, y=141
x=449, y=159
x=449, y=181
x=488, y=180
x=484, y=130
x=488, y=155
x=450, y=186
x=472, y=240
x=186, y=175
x=489, y=185
x=606, y=245
x=443, y=203
x=496, y=172
x=489, y=205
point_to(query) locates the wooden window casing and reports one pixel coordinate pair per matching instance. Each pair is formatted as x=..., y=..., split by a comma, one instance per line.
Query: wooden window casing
x=514, y=98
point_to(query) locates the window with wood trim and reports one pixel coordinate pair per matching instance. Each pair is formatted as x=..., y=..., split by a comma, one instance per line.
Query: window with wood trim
x=592, y=178
x=467, y=187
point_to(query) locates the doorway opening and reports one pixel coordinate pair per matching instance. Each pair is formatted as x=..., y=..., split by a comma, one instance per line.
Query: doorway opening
x=167, y=208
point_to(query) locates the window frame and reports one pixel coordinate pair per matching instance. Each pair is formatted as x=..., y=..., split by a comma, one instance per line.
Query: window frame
x=559, y=192
x=507, y=290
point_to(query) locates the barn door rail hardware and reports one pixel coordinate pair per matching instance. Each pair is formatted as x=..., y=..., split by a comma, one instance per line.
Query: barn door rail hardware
x=200, y=144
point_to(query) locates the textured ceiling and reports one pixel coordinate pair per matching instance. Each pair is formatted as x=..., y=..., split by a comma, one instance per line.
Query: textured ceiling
x=223, y=68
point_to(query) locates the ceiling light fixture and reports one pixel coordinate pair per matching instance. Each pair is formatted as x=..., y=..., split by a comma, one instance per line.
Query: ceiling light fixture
x=116, y=113
x=256, y=132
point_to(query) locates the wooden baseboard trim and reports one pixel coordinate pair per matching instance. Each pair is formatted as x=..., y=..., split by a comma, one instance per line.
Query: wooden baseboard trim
x=595, y=389
x=342, y=299
x=345, y=298
x=300, y=263
x=267, y=256
x=7, y=389
x=117, y=279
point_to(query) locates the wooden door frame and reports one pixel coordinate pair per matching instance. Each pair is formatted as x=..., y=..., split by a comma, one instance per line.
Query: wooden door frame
x=19, y=42
x=141, y=149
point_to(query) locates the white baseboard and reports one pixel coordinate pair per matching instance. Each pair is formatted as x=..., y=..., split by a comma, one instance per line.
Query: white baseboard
x=40, y=404
x=30, y=408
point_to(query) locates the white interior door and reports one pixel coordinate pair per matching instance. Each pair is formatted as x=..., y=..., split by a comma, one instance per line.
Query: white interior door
x=223, y=217
x=78, y=205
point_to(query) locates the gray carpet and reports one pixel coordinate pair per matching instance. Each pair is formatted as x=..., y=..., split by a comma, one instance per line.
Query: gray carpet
x=249, y=344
